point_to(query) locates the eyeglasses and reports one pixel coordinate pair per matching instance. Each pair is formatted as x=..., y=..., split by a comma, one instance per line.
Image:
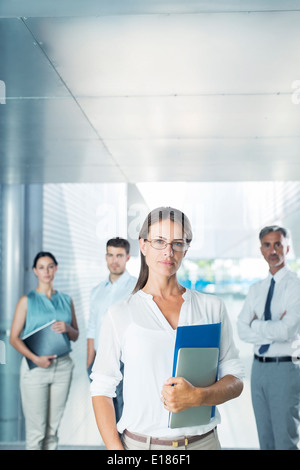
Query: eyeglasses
x=158, y=244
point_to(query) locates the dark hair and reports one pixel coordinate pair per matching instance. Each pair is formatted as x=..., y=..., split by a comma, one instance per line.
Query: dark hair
x=42, y=254
x=273, y=228
x=118, y=242
x=157, y=215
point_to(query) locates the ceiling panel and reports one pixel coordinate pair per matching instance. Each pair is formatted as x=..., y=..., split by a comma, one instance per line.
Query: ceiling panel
x=58, y=8
x=152, y=55
x=24, y=68
x=247, y=116
x=208, y=159
x=149, y=91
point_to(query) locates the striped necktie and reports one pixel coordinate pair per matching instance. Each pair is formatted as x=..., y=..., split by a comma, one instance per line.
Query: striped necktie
x=267, y=314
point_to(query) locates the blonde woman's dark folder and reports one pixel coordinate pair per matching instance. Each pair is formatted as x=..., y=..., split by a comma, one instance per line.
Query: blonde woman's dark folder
x=44, y=341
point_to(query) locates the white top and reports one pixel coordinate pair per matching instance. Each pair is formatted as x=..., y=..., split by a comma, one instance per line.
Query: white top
x=282, y=335
x=136, y=331
x=103, y=296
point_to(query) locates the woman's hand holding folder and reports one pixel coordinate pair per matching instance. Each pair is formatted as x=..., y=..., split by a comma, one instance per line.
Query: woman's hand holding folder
x=63, y=327
x=44, y=361
x=178, y=394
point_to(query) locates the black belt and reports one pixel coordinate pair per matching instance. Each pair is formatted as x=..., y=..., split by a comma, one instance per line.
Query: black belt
x=273, y=359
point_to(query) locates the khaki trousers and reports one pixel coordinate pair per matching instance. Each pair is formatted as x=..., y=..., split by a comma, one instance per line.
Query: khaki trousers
x=44, y=394
x=210, y=442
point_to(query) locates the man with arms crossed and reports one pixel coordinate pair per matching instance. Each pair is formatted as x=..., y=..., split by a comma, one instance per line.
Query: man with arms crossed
x=270, y=319
x=116, y=287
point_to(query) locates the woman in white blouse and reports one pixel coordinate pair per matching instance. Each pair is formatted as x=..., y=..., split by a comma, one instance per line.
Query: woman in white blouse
x=141, y=332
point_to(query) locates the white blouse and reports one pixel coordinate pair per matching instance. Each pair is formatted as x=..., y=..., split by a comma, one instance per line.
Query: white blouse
x=136, y=332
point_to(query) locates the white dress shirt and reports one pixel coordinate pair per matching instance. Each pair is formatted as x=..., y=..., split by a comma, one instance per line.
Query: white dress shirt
x=283, y=335
x=103, y=296
x=136, y=331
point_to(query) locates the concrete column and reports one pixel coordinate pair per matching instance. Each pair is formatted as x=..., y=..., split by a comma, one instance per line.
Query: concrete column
x=12, y=285
x=33, y=231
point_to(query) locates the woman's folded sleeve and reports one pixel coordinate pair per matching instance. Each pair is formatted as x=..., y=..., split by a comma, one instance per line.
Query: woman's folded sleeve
x=106, y=373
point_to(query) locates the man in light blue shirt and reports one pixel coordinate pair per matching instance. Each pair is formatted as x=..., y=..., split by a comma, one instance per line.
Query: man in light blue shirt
x=116, y=287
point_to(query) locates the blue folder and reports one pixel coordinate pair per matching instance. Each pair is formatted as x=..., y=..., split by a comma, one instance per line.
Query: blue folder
x=196, y=336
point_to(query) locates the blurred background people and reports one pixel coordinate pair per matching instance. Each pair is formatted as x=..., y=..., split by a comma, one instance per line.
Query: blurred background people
x=118, y=285
x=44, y=388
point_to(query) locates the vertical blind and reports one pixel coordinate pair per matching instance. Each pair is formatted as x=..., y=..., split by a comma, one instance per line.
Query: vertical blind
x=77, y=221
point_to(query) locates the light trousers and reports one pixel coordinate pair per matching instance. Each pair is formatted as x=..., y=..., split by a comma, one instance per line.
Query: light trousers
x=44, y=394
x=275, y=389
x=210, y=442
